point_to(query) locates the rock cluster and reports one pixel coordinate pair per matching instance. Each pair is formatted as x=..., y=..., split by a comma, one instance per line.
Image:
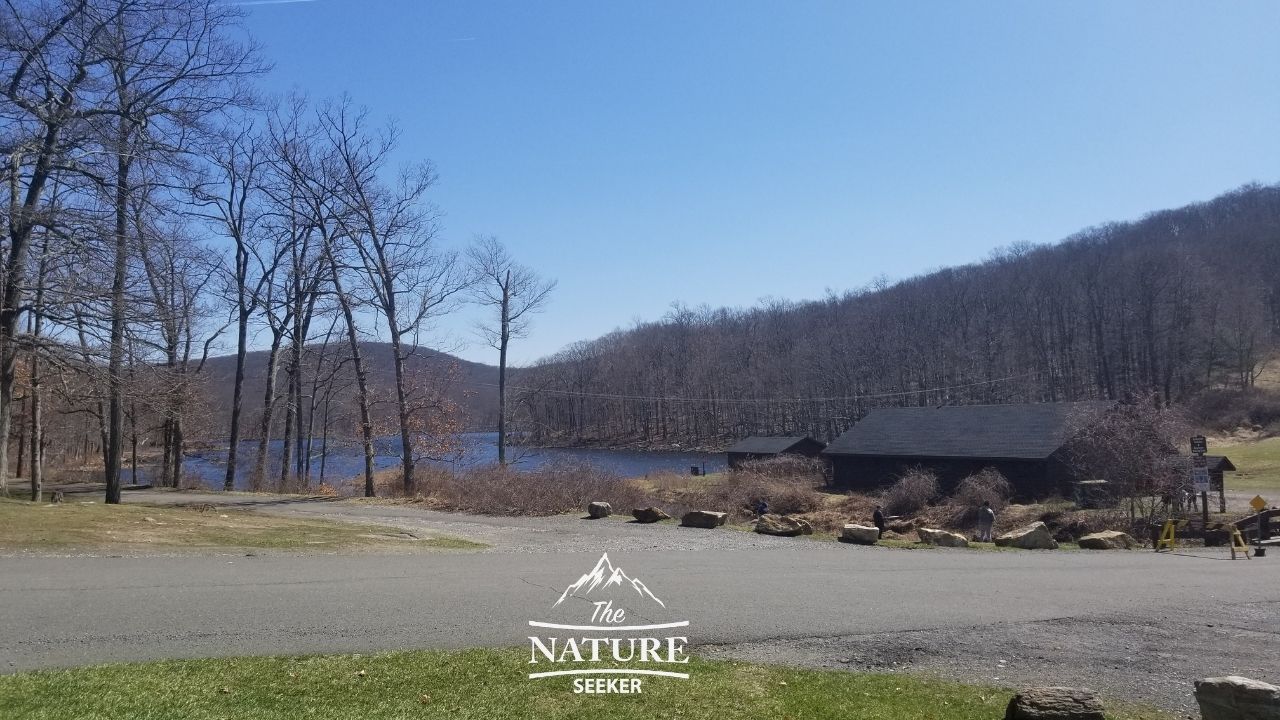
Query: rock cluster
x=703, y=519
x=1237, y=698
x=942, y=538
x=1107, y=540
x=649, y=515
x=1055, y=703
x=1035, y=536
x=780, y=525
x=860, y=534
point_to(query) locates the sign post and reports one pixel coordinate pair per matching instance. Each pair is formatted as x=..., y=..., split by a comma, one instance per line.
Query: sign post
x=1200, y=476
x=1258, y=504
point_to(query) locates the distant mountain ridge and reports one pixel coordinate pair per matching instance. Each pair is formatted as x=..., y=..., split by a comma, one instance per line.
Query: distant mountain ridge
x=472, y=387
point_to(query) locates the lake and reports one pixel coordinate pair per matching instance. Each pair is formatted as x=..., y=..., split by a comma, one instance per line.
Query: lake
x=346, y=461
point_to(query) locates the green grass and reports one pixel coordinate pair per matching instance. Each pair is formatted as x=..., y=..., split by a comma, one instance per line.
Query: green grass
x=94, y=526
x=1257, y=465
x=482, y=684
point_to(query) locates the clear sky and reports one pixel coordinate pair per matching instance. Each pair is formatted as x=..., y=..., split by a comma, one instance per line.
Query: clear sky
x=721, y=152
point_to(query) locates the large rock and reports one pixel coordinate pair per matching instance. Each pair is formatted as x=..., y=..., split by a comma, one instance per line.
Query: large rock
x=806, y=528
x=778, y=525
x=1237, y=698
x=649, y=515
x=942, y=538
x=703, y=519
x=1055, y=703
x=599, y=510
x=1035, y=536
x=1107, y=540
x=860, y=534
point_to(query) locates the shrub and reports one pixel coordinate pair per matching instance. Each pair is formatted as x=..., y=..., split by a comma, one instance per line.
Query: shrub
x=787, y=467
x=986, y=486
x=913, y=492
x=737, y=492
x=1227, y=410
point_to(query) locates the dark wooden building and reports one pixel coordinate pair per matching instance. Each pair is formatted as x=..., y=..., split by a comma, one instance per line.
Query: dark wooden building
x=1023, y=442
x=761, y=448
x=1218, y=464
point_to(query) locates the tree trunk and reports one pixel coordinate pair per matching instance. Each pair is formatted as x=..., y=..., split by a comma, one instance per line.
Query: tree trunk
x=504, y=337
x=362, y=379
x=237, y=393
x=115, y=363
x=259, y=476
x=402, y=408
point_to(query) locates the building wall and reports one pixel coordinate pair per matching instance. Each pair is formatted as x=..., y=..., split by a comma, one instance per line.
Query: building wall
x=1031, y=479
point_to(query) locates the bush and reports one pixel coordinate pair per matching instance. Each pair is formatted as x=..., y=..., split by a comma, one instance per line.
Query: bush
x=787, y=467
x=986, y=486
x=1227, y=410
x=738, y=491
x=548, y=490
x=912, y=493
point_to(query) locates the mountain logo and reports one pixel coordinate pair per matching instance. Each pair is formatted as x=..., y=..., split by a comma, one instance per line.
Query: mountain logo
x=604, y=576
x=606, y=651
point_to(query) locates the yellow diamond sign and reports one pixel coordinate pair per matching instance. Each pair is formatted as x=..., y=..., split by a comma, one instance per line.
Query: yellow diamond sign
x=1258, y=503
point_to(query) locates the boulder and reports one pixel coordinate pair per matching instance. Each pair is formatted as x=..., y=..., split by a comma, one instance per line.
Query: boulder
x=942, y=538
x=778, y=525
x=1055, y=703
x=805, y=527
x=649, y=515
x=1107, y=540
x=1035, y=536
x=703, y=519
x=599, y=510
x=1237, y=698
x=860, y=534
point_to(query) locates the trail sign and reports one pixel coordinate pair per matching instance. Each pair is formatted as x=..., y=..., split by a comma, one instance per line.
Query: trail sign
x=1199, y=461
x=1199, y=445
x=1257, y=503
x=1200, y=478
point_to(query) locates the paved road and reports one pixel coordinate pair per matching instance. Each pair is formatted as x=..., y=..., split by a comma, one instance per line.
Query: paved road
x=746, y=596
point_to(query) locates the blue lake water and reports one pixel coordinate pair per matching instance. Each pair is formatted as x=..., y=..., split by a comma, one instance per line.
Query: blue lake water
x=345, y=461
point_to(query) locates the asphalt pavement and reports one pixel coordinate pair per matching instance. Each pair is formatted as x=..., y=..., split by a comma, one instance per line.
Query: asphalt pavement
x=1077, y=614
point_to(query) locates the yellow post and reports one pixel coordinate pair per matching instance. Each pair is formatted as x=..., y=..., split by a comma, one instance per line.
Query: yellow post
x=1167, y=536
x=1237, y=543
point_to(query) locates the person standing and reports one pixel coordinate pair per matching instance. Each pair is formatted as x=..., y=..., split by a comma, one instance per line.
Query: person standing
x=986, y=519
x=877, y=518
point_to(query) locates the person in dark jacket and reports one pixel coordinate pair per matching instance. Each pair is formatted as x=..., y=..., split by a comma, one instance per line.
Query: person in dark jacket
x=877, y=518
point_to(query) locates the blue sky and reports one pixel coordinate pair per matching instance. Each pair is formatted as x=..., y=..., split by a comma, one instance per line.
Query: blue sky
x=722, y=152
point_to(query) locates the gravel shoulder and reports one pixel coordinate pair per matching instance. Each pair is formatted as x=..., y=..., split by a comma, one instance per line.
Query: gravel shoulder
x=502, y=534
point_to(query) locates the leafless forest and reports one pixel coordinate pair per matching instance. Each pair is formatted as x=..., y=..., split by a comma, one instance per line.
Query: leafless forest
x=1182, y=302
x=157, y=206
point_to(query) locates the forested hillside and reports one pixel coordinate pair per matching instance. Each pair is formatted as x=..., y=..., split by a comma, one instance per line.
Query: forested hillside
x=1170, y=305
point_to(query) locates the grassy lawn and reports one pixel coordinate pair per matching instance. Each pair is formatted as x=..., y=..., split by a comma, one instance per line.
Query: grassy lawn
x=478, y=684
x=77, y=525
x=1258, y=465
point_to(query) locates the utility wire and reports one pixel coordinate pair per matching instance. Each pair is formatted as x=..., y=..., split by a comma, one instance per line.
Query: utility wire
x=842, y=398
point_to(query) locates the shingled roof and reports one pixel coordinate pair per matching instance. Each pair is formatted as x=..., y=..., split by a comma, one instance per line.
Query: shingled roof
x=1015, y=432
x=768, y=445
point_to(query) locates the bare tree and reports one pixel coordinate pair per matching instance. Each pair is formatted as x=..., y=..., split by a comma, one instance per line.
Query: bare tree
x=513, y=293
x=410, y=279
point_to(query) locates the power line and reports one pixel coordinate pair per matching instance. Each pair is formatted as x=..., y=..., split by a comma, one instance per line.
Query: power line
x=842, y=398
